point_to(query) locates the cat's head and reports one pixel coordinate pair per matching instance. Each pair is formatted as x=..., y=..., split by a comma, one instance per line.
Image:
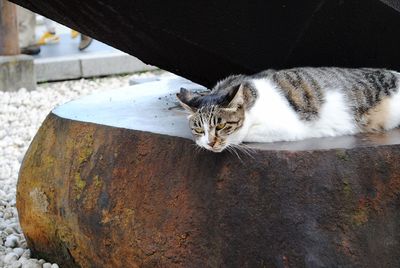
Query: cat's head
x=214, y=118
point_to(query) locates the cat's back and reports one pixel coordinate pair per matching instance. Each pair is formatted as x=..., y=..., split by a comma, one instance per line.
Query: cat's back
x=306, y=88
x=333, y=78
x=330, y=101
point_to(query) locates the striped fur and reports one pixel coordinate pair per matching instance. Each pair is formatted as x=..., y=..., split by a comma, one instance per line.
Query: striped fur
x=364, y=99
x=305, y=88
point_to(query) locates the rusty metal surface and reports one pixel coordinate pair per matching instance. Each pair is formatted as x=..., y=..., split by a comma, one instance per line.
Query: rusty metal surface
x=96, y=196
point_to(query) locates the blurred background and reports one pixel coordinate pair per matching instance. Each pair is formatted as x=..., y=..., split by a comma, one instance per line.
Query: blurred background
x=42, y=50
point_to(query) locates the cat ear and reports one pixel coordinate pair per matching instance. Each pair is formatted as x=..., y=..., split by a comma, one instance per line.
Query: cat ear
x=236, y=96
x=184, y=98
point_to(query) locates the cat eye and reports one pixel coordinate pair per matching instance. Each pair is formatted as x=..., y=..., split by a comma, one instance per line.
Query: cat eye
x=199, y=130
x=220, y=126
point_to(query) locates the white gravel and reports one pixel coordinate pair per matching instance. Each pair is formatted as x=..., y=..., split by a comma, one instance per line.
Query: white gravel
x=21, y=114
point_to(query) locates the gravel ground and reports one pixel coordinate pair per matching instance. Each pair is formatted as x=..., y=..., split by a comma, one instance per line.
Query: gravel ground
x=21, y=114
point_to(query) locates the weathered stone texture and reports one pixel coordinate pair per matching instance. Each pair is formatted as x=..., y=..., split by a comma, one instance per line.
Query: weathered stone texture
x=96, y=196
x=17, y=72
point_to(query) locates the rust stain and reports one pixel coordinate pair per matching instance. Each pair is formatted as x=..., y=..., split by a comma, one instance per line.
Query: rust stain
x=123, y=218
x=92, y=193
x=285, y=261
x=361, y=216
x=221, y=180
x=384, y=193
x=346, y=247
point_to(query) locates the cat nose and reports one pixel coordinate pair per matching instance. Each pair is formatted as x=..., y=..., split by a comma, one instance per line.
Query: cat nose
x=212, y=143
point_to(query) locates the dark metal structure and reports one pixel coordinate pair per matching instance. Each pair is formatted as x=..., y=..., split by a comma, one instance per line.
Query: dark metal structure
x=208, y=40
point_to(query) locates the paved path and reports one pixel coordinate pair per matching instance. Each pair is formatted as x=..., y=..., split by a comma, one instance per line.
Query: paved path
x=63, y=60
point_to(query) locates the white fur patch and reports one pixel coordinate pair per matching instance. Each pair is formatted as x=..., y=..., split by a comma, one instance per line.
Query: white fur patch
x=335, y=118
x=273, y=119
x=394, y=111
x=203, y=141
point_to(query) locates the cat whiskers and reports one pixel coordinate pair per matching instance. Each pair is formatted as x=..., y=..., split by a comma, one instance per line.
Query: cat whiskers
x=248, y=149
x=197, y=148
x=244, y=149
x=232, y=150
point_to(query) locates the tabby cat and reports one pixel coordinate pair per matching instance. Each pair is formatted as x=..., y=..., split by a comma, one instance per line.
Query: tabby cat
x=293, y=104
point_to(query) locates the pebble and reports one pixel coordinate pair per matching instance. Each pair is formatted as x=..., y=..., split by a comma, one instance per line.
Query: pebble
x=11, y=241
x=23, y=259
x=31, y=264
x=46, y=265
x=26, y=254
x=21, y=114
x=9, y=230
x=11, y=257
x=16, y=264
x=7, y=215
x=19, y=251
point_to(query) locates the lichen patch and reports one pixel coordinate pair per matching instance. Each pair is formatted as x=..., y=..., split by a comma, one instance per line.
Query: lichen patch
x=39, y=200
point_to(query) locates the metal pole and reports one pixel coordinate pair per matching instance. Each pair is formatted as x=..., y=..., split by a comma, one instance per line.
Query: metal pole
x=8, y=29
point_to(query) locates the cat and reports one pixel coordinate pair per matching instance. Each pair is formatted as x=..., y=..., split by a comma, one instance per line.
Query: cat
x=293, y=104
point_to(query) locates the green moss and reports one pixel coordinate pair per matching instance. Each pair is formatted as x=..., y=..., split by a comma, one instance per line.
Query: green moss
x=341, y=154
x=360, y=217
x=79, y=185
x=48, y=163
x=346, y=187
x=48, y=160
x=85, y=151
x=97, y=181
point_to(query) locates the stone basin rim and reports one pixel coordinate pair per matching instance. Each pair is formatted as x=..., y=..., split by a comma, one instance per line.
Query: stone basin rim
x=153, y=108
x=349, y=142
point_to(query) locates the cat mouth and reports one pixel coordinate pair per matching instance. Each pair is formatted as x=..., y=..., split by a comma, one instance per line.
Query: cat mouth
x=215, y=149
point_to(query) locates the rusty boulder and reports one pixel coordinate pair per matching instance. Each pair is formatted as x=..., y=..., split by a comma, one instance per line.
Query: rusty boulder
x=96, y=195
